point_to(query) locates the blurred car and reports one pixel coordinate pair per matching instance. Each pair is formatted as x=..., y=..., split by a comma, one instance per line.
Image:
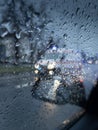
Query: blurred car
x=58, y=76
x=58, y=61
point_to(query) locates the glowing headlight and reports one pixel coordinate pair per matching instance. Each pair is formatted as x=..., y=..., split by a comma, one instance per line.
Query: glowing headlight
x=36, y=66
x=51, y=66
x=51, y=72
x=36, y=71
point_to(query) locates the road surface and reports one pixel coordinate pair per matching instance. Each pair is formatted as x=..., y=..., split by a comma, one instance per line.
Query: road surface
x=20, y=111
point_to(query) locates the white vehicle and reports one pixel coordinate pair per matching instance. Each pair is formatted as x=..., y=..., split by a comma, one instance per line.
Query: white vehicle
x=55, y=73
x=59, y=59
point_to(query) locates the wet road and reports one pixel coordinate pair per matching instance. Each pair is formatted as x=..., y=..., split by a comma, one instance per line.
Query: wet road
x=20, y=111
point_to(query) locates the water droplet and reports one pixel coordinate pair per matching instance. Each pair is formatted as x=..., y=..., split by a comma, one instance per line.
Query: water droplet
x=65, y=36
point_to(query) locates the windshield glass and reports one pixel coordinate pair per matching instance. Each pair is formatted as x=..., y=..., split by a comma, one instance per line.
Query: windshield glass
x=52, y=55
x=48, y=62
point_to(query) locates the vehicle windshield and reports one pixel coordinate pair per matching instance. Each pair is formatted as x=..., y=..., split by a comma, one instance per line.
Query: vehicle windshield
x=52, y=55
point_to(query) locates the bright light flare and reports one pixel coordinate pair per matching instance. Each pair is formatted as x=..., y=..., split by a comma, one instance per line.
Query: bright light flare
x=36, y=71
x=51, y=66
x=51, y=72
x=36, y=66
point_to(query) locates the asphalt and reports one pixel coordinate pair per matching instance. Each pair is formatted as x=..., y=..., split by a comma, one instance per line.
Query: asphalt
x=20, y=111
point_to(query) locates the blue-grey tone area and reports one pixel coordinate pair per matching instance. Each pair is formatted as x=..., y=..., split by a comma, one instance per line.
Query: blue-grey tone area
x=58, y=41
x=71, y=23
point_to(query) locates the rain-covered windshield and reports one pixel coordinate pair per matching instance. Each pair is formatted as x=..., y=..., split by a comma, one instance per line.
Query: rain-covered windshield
x=48, y=62
x=52, y=55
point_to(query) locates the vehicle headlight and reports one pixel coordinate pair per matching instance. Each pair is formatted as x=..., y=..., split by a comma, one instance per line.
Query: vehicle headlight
x=51, y=72
x=51, y=66
x=36, y=66
x=36, y=71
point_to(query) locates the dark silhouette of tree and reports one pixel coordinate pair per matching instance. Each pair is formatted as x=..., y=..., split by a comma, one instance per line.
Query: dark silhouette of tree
x=83, y=54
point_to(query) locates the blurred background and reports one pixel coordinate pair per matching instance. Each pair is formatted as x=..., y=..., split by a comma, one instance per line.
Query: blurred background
x=27, y=26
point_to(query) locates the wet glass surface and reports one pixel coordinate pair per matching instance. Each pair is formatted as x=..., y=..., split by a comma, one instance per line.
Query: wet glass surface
x=48, y=61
